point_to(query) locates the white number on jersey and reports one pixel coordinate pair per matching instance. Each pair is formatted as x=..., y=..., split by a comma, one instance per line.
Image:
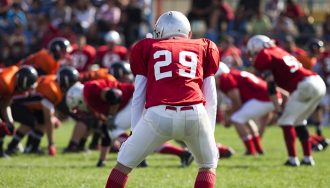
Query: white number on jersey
x=192, y=64
x=292, y=62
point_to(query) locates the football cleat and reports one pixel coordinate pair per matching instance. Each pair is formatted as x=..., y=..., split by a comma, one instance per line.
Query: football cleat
x=310, y=162
x=317, y=147
x=225, y=151
x=292, y=164
x=101, y=163
x=325, y=143
x=186, y=159
x=143, y=164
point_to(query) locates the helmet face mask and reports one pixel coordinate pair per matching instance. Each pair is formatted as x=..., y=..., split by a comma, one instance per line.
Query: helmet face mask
x=172, y=24
x=26, y=78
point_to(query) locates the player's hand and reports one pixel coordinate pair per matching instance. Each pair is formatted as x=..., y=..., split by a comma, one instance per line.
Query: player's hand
x=56, y=122
x=7, y=128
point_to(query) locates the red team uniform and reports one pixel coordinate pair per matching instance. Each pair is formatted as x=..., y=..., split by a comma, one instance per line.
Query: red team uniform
x=84, y=58
x=92, y=91
x=306, y=89
x=106, y=56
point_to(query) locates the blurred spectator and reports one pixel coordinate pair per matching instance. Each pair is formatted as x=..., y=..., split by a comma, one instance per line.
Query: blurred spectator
x=238, y=27
x=15, y=16
x=4, y=7
x=249, y=7
x=326, y=28
x=305, y=28
x=229, y=53
x=221, y=16
x=108, y=16
x=93, y=36
x=273, y=8
x=17, y=46
x=294, y=10
x=83, y=55
x=260, y=23
x=84, y=13
x=200, y=11
x=66, y=31
x=132, y=22
x=283, y=26
x=60, y=13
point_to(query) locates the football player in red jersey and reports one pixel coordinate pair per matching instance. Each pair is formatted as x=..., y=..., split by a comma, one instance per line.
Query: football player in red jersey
x=112, y=51
x=306, y=89
x=96, y=97
x=249, y=102
x=83, y=55
x=13, y=80
x=174, y=98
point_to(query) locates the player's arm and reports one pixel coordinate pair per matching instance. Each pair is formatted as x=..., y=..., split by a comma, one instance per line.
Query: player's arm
x=272, y=91
x=210, y=94
x=235, y=99
x=6, y=110
x=48, y=110
x=139, y=99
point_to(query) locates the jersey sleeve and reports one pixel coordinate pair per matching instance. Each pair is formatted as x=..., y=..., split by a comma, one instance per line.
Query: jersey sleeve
x=263, y=61
x=211, y=61
x=227, y=82
x=137, y=58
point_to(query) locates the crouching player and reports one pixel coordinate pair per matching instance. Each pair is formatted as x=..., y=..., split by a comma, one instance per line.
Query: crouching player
x=110, y=101
x=13, y=80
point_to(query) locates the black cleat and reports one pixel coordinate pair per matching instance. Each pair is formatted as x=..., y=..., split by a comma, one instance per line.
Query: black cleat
x=101, y=163
x=186, y=159
x=308, y=163
x=143, y=164
x=288, y=163
x=325, y=143
x=317, y=147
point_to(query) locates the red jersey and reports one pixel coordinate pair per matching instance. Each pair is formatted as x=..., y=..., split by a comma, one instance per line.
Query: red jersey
x=106, y=56
x=7, y=81
x=175, y=69
x=82, y=59
x=249, y=85
x=286, y=69
x=43, y=61
x=92, y=93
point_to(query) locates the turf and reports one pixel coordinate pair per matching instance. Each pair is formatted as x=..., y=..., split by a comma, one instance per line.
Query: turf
x=79, y=171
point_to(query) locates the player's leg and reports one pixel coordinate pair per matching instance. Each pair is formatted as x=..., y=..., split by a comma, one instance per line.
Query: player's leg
x=145, y=139
x=201, y=143
x=255, y=136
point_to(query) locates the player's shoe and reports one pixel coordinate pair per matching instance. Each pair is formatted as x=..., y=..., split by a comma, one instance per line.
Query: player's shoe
x=186, y=159
x=101, y=163
x=52, y=150
x=292, y=164
x=309, y=162
x=225, y=151
x=317, y=147
x=143, y=164
x=325, y=143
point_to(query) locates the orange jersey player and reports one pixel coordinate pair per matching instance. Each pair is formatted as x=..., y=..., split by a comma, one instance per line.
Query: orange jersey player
x=47, y=61
x=13, y=80
x=40, y=108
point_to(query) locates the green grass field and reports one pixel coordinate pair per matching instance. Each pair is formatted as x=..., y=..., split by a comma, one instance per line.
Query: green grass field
x=79, y=171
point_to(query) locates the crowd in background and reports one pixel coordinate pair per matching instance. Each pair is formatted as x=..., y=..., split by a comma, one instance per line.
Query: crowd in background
x=26, y=26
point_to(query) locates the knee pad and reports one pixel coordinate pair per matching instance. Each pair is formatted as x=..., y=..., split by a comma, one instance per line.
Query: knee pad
x=302, y=133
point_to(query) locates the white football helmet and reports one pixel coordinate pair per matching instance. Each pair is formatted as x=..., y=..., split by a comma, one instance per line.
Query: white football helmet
x=172, y=23
x=259, y=42
x=223, y=69
x=75, y=99
x=112, y=36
